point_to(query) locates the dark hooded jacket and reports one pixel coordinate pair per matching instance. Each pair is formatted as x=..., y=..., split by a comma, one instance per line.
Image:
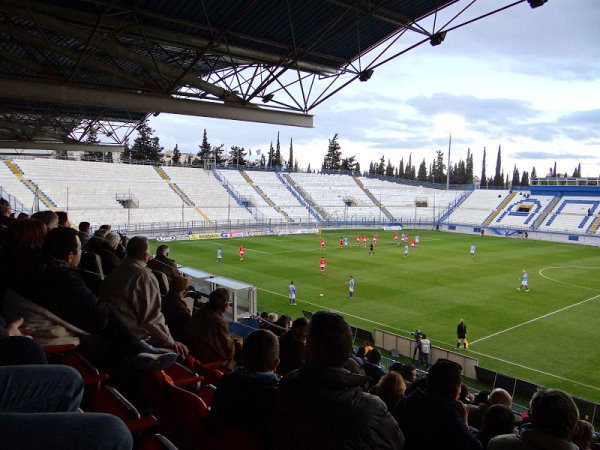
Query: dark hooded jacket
x=322, y=407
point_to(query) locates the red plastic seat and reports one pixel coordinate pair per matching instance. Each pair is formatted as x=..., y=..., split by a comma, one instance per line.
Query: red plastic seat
x=184, y=377
x=180, y=413
x=108, y=400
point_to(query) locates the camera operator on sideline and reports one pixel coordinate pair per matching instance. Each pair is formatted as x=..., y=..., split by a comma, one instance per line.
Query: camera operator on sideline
x=424, y=347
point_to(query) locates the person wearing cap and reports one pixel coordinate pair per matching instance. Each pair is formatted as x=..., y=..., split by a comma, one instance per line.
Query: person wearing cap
x=208, y=334
x=175, y=309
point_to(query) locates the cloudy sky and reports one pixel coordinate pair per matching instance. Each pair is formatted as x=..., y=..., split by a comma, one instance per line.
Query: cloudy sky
x=526, y=79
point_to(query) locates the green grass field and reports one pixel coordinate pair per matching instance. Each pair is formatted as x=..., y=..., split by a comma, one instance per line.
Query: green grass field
x=548, y=336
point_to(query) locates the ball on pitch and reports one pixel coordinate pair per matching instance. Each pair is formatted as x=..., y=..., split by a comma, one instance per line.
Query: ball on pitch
x=320, y=295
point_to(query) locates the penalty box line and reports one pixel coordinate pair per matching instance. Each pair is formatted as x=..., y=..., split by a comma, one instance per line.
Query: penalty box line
x=535, y=319
x=445, y=343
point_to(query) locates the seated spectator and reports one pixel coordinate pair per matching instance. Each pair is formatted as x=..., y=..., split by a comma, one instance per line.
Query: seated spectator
x=389, y=388
x=22, y=216
x=84, y=233
x=47, y=217
x=434, y=418
x=264, y=320
x=281, y=326
x=322, y=406
x=5, y=212
x=94, y=244
x=498, y=419
x=292, y=345
x=22, y=253
x=63, y=219
x=465, y=396
x=554, y=418
x=121, y=249
x=408, y=372
x=360, y=354
x=133, y=291
x=107, y=252
x=17, y=346
x=480, y=397
x=360, y=360
x=38, y=407
x=585, y=435
x=368, y=347
x=498, y=396
x=162, y=263
x=176, y=311
x=209, y=336
x=373, y=367
x=247, y=396
x=60, y=289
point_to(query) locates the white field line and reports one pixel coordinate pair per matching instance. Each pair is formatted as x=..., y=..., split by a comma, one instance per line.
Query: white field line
x=541, y=272
x=550, y=313
x=535, y=319
x=220, y=244
x=440, y=342
x=536, y=370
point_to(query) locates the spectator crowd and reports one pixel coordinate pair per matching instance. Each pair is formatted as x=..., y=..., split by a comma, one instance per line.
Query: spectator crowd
x=291, y=384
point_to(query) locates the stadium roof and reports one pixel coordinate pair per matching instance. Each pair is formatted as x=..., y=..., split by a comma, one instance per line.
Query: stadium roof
x=67, y=66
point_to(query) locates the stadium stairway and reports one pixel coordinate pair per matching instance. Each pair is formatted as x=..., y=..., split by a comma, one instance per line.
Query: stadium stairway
x=265, y=196
x=232, y=192
x=545, y=213
x=182, y=194
x=500, y=207
x=17, y=206
x=285, y=181
x=456, y=204
x=308, y=199
x=31, y=186
x=594, y=226
x=373, y=199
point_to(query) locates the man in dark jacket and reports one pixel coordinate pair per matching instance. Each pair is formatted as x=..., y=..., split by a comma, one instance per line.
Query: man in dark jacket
x=163, y=263
x=61, y=290
x=292, y=345
x=322, y=406
x=434, y=418
x=246, y=396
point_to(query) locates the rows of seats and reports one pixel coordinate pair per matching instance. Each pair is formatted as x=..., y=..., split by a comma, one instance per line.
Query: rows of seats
x=247, y=193
x=400, y=200
x=332, y=192
x=478, y=206
x=89, y=190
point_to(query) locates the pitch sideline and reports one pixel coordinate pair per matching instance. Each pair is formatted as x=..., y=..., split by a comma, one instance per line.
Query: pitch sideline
x=452, y=345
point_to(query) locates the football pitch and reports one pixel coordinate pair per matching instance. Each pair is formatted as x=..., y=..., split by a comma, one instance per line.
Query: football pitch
x=548, y=336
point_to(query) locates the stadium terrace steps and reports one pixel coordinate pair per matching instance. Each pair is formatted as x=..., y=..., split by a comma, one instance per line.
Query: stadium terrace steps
x=502, y=205
x=288, y=183
x=373, y=199
x=232, y=192
x=545, y=213
x=265, y=196
x=31, y=186
x=594, y=226
x=182, y=194
x=324, y=214
x=456, y=204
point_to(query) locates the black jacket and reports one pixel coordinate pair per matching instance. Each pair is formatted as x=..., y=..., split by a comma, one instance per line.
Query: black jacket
x=325, y=408
x=430, y=423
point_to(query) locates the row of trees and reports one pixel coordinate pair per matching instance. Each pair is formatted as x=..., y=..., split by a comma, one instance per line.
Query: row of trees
x=146, y=147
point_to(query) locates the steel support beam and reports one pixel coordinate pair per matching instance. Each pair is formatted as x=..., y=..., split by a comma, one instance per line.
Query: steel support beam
x=146, y=103
x=61, y=146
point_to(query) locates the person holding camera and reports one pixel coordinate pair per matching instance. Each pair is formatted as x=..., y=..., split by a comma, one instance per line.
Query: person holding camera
x=424, y=350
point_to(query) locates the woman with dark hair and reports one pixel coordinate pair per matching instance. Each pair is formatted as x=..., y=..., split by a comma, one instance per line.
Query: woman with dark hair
x=22, y=250
x=281, y=325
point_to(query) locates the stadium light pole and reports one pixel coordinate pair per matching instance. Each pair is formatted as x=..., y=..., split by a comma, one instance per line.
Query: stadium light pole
x=448, y=169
